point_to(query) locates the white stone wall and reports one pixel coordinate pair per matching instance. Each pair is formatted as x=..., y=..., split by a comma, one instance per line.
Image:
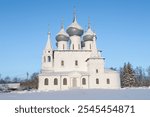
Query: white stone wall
x=114, y=80
x=95, y=64
x=46, y=65
x=90, y=82
x=51, y=85
x=90, y=66
x=61, y=86
x=69, y=58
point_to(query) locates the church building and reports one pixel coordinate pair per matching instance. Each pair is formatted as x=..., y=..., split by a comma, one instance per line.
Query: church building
x=76, y=63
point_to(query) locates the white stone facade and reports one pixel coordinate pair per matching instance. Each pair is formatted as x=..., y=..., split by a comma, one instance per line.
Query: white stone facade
x=76, y=63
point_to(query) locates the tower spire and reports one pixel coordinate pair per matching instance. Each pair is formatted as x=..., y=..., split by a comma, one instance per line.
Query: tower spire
x=48, y=44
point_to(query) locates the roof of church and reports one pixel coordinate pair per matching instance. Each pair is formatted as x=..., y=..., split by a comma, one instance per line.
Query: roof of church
x=48, y=44
x=110, y=71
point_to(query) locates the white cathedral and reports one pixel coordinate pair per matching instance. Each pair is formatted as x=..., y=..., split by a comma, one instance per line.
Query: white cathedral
x=76, y=63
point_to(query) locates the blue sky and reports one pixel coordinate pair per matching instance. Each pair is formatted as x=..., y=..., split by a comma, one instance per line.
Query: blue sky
x=122, y=27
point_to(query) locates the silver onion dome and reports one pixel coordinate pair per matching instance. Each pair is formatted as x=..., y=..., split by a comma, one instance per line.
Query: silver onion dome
x=75, y=29
x=88, y=35
x=62, y=35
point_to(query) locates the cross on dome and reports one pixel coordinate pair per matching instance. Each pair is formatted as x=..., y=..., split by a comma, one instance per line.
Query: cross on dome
x=74, y=15
x=74, y=28
x=89, y=23
x=62, y=23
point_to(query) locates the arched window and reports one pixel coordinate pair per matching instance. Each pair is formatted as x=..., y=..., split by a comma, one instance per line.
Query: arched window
x=44, y=59
x=49, y=59
x=97, y=81
x=108, y=81
x=64, y=81
x=55, y=81
x=84, y=81
x=62, y=63
x=90, y=46
x=96, y=70
x=78, y=46
x=46, y=81
x=73, y=46
x=76, y=63
x=63, y=46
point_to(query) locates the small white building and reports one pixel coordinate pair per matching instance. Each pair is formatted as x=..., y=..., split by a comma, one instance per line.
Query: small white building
x=10, y=86
x=76, y=63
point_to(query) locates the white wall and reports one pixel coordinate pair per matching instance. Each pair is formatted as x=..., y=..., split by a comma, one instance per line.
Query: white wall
x=94, y=64
x=60, y=85
x=69, y=58
x=45, y=64
x=90, y=81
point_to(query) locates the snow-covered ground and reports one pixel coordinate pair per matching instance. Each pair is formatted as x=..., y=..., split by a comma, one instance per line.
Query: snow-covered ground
x=78, y=94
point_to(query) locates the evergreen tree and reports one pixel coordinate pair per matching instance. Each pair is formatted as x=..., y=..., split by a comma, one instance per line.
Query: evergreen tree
x=127, y=76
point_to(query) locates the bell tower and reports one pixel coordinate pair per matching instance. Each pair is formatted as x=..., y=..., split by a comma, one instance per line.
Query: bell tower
x=95, y=62
x=47, y=58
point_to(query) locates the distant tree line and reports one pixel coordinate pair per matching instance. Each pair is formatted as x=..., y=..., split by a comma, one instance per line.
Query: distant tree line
x=8, y=79
x=28, y=83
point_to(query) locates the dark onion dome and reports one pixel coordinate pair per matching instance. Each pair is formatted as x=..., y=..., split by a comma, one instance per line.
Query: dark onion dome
x=75, y=28
x=88, y=35
x=62, y=35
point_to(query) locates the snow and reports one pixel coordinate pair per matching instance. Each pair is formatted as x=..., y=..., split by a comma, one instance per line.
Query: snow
x=80, y=94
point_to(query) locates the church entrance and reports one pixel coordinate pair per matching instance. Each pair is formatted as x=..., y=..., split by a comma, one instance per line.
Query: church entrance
x=74, y=82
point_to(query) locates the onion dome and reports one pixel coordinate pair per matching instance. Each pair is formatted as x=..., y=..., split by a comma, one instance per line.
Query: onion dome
x=62, y=35
x=75, y=28
x=88, y=35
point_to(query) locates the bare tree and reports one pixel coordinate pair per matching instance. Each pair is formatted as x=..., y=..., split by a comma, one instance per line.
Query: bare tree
x=148, y=72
